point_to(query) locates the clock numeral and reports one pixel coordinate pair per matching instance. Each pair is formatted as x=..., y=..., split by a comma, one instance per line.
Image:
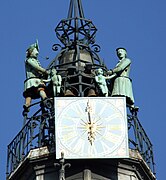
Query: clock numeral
x=105, y=147
x=92, y=151
x=102, y=110
x=68, y=136
x=76, y=107
x=69, y=119
x=114, y=138
x=114, y=116
x=115, y=127
x=79, y=146
x=65, y=129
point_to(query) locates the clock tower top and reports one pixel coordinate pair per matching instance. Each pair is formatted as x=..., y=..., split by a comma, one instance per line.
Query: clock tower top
x=87, y=120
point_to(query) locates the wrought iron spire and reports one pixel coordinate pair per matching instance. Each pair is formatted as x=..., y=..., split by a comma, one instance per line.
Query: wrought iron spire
x=75, y=5
x=76, y=29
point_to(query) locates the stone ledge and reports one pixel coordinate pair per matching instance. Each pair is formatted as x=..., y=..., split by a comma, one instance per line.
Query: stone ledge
x=134, y=154
x=39, y=152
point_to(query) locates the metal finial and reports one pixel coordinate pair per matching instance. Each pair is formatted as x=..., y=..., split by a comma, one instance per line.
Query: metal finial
x=75, y=9
x=62, y=166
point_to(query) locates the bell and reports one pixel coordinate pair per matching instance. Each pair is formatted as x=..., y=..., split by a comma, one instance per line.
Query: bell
x=69, y=93
x=88, y=68
x=71, y=70
x=91, y=93
x=71, y=57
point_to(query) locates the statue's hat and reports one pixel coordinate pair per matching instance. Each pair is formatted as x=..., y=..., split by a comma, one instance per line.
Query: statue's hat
x=121, y=48
x=35, y=45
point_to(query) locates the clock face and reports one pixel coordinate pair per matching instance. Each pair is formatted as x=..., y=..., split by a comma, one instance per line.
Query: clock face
x=91, y=127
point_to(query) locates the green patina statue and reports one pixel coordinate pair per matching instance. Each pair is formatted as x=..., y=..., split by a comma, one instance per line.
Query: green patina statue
x=56, y=81
x=122, y=84
x=34, y=87
x=101, y=81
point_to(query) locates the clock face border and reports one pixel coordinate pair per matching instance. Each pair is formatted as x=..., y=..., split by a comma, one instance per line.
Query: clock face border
x=111, y=130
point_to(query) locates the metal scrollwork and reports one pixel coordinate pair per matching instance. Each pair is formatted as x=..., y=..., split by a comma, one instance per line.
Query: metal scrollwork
x=56, y=47
x=96, y=48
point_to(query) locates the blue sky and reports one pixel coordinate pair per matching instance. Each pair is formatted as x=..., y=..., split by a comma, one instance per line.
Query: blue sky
x=139, y=26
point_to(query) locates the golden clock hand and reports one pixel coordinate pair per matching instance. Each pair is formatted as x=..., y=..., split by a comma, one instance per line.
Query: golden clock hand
x=91, y=125
x=88, y=110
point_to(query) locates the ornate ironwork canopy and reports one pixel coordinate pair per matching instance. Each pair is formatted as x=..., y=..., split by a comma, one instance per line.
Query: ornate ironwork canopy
x=78, y=57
